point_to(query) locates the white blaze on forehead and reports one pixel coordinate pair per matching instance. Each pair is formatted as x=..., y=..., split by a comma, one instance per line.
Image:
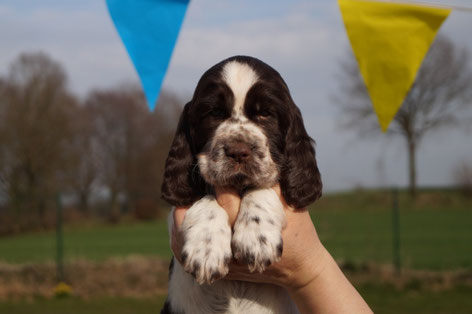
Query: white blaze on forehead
x=240, y=77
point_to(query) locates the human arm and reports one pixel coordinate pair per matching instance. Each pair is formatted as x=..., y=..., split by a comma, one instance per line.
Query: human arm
x=306, y=270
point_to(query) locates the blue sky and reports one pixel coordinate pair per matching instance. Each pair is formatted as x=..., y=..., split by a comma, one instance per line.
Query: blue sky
x=303, y=40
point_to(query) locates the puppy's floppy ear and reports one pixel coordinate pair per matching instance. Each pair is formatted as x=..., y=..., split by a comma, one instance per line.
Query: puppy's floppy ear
x=300, y=179
x=180, y=186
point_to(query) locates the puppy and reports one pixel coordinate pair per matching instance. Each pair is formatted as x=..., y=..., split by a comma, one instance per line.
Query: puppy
x=241, y=129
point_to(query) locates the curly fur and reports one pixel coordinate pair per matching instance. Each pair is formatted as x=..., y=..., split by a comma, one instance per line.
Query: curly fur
x=241, y=129
x=290, y=147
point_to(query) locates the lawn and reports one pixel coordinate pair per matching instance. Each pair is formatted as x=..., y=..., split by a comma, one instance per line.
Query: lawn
x=429, y=239
x=436, y=232
x=94, y=242
x=79, y=306
x=386, y=300
x=382, y=299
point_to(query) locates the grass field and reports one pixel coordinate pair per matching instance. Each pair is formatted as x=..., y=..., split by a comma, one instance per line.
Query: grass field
x=382, y=299
x=79, y=306
x=430, y=239
x=94, y=242
x=436, y=232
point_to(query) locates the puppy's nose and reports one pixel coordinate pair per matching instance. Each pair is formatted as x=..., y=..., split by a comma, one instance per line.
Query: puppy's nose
x=238, y=151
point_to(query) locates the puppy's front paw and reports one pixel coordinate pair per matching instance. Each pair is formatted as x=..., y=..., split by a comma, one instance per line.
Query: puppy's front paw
x=255, y=246
x=206, y=253
x=257, y=237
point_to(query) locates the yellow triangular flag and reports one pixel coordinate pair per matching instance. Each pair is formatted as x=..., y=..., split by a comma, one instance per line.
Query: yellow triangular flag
x=390, y=41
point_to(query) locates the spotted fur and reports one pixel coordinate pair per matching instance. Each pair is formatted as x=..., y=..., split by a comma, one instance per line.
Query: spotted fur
x=256, y=242
x=241, y=129
x=207, y=250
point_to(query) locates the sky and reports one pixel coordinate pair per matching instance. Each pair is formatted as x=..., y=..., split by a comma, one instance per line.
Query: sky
x=303, y=40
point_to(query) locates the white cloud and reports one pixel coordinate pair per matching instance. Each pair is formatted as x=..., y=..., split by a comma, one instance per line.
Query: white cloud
x=84, y=41
x=294, y=40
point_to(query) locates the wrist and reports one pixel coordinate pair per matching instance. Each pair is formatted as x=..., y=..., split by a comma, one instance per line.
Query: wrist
x=307, y=282
x=327, y=290
x=308, y=272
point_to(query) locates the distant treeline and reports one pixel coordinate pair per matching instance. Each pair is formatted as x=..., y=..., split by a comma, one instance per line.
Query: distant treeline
x=103, y=153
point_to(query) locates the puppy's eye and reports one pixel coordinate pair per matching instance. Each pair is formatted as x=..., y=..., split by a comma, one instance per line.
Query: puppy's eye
x=217, y=113
x=261, y=111
x=264, y=113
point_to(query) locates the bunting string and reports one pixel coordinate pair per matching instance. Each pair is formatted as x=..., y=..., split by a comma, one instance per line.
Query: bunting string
x=454, y=7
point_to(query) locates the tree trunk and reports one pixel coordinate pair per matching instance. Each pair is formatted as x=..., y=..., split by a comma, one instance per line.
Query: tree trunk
x=84, y=201
x=114, y=210
x=412, y=165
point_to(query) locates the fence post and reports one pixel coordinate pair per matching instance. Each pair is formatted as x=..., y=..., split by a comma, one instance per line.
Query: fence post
x=396, y=231
x=59, y=240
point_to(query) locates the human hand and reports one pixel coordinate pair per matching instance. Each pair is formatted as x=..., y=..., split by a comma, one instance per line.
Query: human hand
x=302, y=256
x=306, y=269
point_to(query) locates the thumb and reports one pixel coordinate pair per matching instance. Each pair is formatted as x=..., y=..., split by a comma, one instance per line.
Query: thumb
x=230, y=200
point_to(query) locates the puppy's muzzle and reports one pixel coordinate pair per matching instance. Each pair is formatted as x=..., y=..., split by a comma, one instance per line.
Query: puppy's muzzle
x=239, y=152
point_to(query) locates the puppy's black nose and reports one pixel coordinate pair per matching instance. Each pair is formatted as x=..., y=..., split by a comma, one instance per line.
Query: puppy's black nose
x=238, y=151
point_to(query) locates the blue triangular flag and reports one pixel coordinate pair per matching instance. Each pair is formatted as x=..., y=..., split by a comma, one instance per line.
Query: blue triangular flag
x=149, y=30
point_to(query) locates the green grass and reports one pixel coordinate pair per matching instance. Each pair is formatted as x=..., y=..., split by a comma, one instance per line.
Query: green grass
x=90, y=242
x=430, y=239
x=436, y=232
x=382, y=299
x=79, y=306
x=387, y=300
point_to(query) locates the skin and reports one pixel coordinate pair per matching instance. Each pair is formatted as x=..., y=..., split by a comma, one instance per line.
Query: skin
x=306, y=270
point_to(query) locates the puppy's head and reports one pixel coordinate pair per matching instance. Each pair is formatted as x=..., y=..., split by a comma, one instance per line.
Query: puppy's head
x=241, y=129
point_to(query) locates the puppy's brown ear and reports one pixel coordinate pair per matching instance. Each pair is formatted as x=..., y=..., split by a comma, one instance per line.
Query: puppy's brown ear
x=300, y=178
x=180, y=186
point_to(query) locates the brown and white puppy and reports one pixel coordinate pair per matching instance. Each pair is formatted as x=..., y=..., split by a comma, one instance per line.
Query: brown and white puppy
x=241, y=129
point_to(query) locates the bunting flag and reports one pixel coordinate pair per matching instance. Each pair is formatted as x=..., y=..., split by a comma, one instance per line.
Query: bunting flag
x=149, y=30
x=390, y=41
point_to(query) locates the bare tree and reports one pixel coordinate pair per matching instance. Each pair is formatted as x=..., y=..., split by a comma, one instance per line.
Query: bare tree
x=35, y=128
x=438, y=97
x=3, y=166
x=462, y=175
x=81, y=173
x=51, y=141
x=112, y=110
x=131, y=142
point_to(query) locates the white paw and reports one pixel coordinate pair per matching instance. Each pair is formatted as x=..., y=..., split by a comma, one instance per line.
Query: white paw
x=206, y=253
x=257, y=248
x=257, y=237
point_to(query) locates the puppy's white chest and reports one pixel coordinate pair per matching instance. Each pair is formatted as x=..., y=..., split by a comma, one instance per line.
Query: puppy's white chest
x=209, y=245
x=224, y=296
